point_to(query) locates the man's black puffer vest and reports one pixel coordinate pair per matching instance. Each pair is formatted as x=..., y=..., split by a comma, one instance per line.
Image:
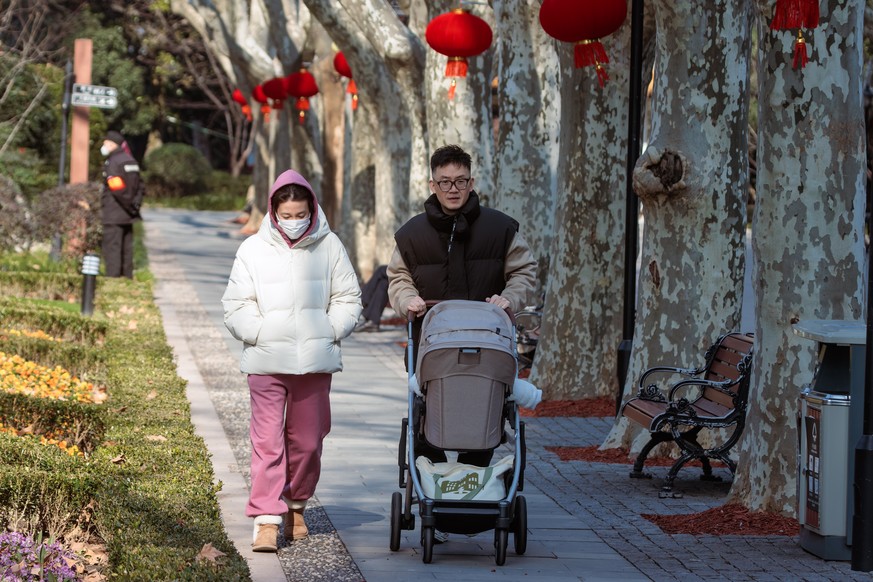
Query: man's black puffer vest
x=457, y=256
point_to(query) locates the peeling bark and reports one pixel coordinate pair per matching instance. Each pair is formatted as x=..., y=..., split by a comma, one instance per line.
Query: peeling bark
x=808, y=232
x=692, y=184
x=582, y=324
x=527, y=143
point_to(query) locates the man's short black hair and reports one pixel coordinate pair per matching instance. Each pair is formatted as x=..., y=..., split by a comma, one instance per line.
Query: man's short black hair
x=450, y=154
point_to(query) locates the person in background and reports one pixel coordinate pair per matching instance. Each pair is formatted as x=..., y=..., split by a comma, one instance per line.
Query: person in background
x=291, y=297
x=120, y=205
x=374, y=295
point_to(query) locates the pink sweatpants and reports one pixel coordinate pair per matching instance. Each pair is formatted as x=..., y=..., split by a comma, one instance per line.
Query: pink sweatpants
x=290, y=418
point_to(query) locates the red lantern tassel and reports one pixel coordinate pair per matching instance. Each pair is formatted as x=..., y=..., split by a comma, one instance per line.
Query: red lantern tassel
x=352, y=88
x=265, y=111
x=602, y=76
x=800, y=56
x=456, y=67
x=452, y=89
x=355, y=102
x=247, y=111
x=795, y=14
x=588, y=53
x=302, y=108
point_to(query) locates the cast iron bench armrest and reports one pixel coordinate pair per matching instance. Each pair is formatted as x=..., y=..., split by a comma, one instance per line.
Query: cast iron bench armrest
x=720, y=386
x=652, y=392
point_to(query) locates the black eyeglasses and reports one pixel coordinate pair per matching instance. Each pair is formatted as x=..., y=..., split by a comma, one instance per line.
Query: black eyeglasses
x=446, y=185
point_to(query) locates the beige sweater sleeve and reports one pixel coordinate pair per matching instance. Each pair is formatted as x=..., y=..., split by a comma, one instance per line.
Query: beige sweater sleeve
x=401, y=288
x=520, y=270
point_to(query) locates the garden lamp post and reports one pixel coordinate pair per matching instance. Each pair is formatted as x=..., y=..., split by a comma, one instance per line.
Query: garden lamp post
x=631, y=203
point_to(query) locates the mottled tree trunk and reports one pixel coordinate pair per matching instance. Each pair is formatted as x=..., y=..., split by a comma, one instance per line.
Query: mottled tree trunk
x=692, y=182
x=808, y=231
x=581, y=329
x=387, y=62
x=526, y=163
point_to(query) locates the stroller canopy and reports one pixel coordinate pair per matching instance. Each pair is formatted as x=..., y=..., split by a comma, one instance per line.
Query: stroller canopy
x=459, y=324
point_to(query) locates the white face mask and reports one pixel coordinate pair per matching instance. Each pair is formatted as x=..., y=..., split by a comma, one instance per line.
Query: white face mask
x=294, y=228
x=105, y=150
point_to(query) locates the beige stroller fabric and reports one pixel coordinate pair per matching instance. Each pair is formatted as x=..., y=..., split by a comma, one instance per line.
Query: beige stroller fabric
x=466, y=368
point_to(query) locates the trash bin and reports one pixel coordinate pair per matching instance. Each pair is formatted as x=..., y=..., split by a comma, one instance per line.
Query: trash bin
x=829, y=424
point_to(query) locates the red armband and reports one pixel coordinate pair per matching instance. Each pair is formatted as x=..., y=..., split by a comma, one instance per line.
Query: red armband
x=115, y=183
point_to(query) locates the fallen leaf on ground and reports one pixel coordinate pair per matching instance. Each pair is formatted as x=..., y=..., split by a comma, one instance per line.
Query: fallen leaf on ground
x=208, y=552
x=156, y=438
x=152, y=395
x=131, y=324
x=119, y=459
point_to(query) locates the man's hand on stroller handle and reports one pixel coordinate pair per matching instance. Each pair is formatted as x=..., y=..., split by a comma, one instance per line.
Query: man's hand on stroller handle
x=416, y=306
x=499, y=301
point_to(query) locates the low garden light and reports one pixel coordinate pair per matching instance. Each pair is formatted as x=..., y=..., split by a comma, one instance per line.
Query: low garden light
x=584, y=22
x=90, y=270
x=341, y=66
x=301, y=85
x=458, y=35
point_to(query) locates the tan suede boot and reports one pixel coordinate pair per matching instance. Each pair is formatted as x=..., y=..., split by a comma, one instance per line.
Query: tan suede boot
x=295, y=525
x=266, y=533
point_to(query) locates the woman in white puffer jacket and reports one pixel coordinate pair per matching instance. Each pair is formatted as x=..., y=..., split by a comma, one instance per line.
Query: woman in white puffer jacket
x=292, y=296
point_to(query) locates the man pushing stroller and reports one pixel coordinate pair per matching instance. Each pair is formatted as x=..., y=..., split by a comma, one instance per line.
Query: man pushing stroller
x=457, y=249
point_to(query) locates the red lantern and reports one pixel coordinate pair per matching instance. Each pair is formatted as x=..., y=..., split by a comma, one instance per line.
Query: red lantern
x=342, y=67
x=275, y=90
x=303, y=86
x=584, y=22
x=259, y=96
x=796, y=14
x=238, y=97
x=458, y=35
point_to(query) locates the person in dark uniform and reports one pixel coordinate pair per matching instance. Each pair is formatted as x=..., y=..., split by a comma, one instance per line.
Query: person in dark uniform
x=120, y=201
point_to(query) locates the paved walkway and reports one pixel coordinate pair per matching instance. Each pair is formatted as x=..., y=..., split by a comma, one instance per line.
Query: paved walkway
x=584, y=518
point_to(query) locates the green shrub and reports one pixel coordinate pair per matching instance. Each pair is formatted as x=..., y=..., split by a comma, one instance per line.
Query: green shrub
x=148, y=481
x=85, y=362
x=37, y=285
x=72, y=210
x=25, y=167
x=77, y=423
x=53, y=321
x=16, y=219
x=174, y=170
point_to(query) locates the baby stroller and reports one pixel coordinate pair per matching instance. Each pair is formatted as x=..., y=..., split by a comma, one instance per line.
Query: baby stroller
x=465, y=371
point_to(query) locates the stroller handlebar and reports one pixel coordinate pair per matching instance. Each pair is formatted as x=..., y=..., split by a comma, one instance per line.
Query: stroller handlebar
x=428, y=303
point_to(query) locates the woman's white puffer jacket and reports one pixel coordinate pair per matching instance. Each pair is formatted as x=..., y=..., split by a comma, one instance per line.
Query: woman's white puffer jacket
x=292, y=304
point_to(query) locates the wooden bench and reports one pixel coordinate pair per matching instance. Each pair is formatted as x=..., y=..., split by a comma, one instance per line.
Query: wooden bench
x=711, y=397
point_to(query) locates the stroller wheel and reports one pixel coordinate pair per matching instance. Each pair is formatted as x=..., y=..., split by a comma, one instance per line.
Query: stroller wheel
x=502, y=540
x=396, y=516
x=427, y=544
x=519, y=526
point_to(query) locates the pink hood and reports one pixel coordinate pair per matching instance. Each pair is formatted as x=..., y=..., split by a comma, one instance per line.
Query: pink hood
x=293, y=177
